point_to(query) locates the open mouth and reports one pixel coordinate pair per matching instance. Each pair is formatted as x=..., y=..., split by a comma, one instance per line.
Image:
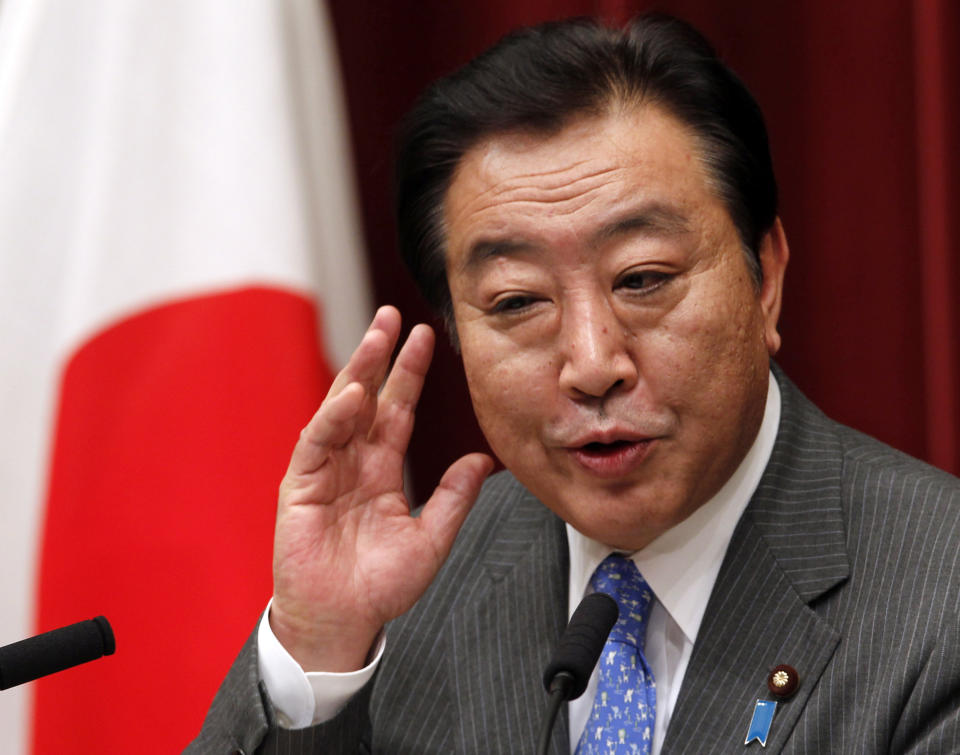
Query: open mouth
x=614, y=459
x=607, y=448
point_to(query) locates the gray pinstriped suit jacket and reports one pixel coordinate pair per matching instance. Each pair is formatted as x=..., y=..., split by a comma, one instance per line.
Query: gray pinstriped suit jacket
x=846, y=565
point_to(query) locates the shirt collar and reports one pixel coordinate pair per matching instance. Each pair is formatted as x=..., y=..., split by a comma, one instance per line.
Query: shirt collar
x=682, y=564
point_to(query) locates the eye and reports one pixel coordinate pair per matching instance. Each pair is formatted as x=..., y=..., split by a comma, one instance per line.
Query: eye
x=643, y=281
x=510, y=304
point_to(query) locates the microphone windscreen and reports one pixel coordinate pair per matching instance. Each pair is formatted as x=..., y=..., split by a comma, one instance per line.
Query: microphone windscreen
x=54, y=651
x=582, y=642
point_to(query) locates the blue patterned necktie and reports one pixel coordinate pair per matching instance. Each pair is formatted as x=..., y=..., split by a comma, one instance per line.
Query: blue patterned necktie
x=625, y=706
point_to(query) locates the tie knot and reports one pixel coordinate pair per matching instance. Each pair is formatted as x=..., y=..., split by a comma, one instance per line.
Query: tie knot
x=619, y=578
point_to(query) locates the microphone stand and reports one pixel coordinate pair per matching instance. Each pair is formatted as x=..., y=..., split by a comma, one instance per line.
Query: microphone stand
x=560, y=689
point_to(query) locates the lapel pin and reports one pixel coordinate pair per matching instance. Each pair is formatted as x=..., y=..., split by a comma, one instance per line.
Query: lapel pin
x=760, y=723
x=783, y=681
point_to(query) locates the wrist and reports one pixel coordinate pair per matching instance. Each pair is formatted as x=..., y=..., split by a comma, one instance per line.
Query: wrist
x=334, y=646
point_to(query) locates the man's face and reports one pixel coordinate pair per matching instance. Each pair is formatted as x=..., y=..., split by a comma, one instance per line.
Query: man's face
x=615, y=344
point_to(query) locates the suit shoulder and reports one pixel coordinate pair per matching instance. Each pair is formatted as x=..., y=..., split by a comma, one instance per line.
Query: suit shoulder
x=903, y=527
x=813, y=447
x=895, y=475
x=833, y=496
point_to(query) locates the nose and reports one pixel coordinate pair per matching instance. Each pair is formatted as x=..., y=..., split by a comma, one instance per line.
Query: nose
x=595, y=349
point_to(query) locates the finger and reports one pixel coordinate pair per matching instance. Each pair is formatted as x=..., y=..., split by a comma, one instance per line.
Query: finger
x=398, y=400
x=369, y=361
x=331, y=427
x=450, y=503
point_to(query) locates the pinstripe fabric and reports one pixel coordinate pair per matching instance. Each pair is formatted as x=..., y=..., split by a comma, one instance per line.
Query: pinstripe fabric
x=480, y=668
x=240, y=714
x=845, y=566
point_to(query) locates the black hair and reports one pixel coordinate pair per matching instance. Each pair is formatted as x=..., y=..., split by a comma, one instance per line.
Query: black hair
x=537, y=78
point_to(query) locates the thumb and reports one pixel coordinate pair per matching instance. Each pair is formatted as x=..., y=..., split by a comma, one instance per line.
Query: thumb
x=444, y=513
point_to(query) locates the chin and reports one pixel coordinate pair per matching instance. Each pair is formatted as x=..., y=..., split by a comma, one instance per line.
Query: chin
x=624, y=532
x=620, y=538
x=626, y=526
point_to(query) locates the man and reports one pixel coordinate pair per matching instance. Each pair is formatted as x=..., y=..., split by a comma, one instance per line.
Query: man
x=593, y=212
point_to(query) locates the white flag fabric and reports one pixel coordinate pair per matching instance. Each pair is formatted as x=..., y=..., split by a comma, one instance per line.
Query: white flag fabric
x=181, y=274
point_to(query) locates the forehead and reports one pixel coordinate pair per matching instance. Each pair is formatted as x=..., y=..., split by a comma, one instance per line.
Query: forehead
x=594, y=170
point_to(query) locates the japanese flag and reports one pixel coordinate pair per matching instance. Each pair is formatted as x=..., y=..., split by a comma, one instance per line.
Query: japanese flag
x=181, y=274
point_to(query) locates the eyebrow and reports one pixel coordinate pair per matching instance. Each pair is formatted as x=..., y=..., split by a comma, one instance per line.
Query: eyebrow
x=652, y=219
x=484, y=250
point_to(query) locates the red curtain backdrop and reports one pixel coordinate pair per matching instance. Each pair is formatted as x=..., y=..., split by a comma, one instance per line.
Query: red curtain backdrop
x=863, y=107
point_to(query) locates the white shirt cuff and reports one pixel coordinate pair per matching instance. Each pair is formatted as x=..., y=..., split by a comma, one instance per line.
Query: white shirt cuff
x=302, y=699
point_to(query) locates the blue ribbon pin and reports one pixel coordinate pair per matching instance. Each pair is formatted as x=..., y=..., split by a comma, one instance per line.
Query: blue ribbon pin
x=760, y=724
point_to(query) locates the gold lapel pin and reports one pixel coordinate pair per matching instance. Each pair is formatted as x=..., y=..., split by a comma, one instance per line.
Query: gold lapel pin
x=783, y=681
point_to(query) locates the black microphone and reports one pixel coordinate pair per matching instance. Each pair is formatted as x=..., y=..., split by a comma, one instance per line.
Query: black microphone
x=569, y=670
x=55, y=651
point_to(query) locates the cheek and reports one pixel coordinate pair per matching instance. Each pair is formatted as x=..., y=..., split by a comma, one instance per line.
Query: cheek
x=707, y=352
x=510, y=389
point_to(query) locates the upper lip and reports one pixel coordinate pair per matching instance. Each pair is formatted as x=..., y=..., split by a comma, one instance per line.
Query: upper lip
x=614, y=435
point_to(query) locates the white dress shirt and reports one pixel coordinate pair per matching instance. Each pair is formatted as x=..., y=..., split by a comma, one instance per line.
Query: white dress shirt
x=680, y=566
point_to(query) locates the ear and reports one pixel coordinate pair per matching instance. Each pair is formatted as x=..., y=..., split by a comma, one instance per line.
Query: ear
x=774, y=254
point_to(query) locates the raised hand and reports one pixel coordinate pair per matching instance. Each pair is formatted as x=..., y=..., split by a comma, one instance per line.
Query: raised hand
x=348, y=557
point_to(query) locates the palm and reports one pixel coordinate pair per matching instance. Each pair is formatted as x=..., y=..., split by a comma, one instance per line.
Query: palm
x=348, y=556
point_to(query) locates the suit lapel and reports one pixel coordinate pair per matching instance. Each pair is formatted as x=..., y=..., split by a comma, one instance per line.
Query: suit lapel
x=788, y=549
x=502, y=641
